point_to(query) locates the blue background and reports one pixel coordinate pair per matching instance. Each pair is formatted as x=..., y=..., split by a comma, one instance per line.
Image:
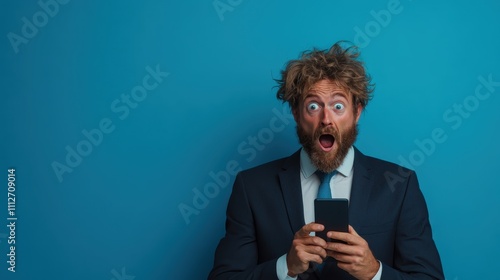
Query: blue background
x=117, y=216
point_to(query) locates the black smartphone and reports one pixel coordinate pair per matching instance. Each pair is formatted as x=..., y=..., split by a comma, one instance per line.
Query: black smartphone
x=333, y=214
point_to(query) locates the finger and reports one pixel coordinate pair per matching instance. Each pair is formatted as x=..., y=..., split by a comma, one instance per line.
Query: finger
x=310, y=240
x=352, y=231
x=342, y=236
x=347, y=266
x=312, y=255
x=297, y=262
x=316, y=250
x=307, y=229
x=337, y=247
x=340, y=257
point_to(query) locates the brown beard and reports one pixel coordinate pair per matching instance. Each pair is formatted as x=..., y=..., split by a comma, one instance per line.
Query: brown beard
x=327, y=161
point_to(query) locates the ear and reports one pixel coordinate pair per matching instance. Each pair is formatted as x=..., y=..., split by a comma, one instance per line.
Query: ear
x=358, y=112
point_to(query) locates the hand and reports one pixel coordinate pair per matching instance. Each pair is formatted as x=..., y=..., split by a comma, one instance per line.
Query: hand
x=305, y=249
x=355, y=257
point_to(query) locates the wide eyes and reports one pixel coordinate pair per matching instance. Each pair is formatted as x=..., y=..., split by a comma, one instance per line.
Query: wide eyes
x=338, y=106
x=313, y=107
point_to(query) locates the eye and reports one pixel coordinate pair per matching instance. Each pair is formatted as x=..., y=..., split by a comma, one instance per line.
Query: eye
x=338, y=106
x=312, y=107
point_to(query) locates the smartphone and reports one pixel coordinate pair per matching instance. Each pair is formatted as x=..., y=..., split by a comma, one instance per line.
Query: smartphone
x=333, y=214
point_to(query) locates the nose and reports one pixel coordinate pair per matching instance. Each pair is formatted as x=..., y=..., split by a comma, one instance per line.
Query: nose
x=326, y=117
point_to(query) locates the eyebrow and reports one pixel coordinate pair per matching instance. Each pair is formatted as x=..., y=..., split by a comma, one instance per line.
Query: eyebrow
x=333, y=94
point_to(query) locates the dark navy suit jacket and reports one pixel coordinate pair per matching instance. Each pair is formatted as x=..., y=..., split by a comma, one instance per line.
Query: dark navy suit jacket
x=386, y=208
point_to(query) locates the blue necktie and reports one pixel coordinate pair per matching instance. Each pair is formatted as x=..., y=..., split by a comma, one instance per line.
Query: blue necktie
x=324, y=190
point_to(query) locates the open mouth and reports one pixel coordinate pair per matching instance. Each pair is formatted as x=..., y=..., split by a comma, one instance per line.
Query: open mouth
x=326, y=141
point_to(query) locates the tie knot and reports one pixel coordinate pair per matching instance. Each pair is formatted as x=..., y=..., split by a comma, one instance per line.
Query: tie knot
x=325, y=177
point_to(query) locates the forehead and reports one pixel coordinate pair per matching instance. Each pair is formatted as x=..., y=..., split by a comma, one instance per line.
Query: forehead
x=326, y=87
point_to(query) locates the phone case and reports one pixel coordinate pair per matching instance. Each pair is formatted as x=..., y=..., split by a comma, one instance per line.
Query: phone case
x=333, y=214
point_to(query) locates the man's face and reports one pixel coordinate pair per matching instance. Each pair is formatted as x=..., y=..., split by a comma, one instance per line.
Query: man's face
x=327, y=124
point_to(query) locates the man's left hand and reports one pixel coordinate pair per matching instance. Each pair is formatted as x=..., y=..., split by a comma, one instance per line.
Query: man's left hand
x=355, y=256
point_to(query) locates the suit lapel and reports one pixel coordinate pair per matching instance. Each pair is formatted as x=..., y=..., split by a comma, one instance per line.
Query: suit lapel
x=360, y=190
x=292, y=192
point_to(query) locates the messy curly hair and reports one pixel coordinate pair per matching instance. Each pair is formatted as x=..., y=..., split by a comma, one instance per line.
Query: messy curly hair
x=338, y=64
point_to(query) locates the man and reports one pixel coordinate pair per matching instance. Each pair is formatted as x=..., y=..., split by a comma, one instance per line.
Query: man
x=270, y=229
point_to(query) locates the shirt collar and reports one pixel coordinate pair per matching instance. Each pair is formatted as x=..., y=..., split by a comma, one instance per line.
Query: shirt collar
x=307, y=167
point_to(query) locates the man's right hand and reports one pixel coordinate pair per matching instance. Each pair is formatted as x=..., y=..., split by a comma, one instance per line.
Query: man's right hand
x=305, y=248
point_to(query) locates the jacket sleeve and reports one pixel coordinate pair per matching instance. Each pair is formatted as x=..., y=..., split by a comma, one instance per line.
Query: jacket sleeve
x=416, y=255
x=236, y=256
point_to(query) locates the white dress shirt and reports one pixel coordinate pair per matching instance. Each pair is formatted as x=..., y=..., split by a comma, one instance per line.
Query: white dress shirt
x=340, y=186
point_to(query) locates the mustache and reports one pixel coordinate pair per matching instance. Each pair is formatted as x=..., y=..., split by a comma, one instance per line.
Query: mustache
x=327, y=130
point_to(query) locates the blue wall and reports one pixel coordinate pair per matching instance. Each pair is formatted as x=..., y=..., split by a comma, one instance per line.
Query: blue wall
x=118, y=116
